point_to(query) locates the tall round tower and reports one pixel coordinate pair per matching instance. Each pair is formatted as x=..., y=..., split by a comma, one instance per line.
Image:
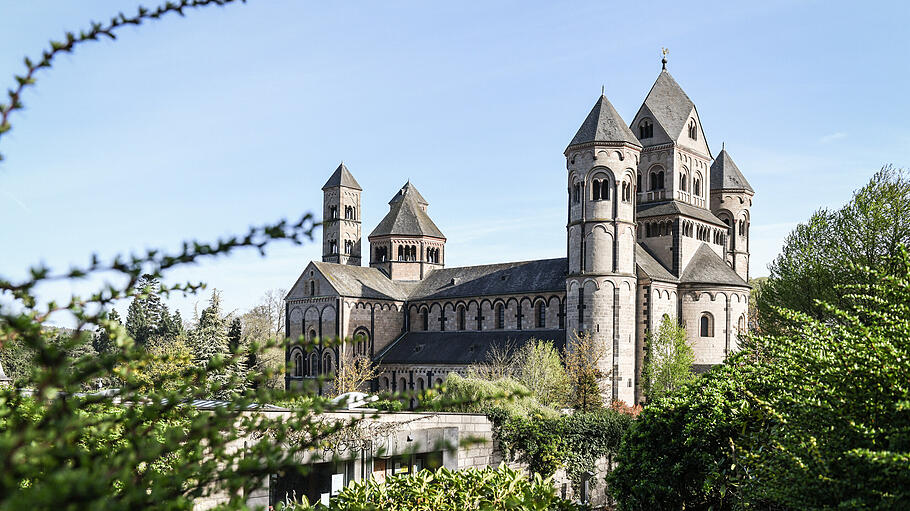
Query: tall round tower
x=600, y=287
x=731, y=199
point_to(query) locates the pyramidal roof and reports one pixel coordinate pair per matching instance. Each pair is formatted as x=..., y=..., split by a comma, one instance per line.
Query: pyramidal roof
x=406, y=216
x=604, y=124
x=725, y=175
x=669, y=104
x=409, y=191
x=342, y=177
x=706, y=267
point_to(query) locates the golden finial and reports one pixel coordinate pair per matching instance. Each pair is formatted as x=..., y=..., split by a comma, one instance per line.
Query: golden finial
x=663, y=61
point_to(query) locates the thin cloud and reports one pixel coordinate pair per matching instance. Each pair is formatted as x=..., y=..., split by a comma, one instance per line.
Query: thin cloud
x=827, y=139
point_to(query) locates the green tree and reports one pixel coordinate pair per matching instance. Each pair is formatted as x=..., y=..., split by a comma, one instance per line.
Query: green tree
x=103, y=340
x=584, y=359
x=235, y=336
x=540, y=369
x=668, y=363
x=825, y=252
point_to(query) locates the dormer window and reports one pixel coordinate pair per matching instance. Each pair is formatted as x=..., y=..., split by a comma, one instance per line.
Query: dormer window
x=645, y=129
x=693, y=130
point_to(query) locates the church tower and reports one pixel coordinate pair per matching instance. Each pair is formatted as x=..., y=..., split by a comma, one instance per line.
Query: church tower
x=341, y=218
x=731, y=199
x=602, y=161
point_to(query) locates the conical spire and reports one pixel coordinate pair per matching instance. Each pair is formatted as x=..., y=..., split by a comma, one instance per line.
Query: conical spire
x=669, y=104
x=409, y=191
x=603, y=124
x=342, y=177
x=725, y=175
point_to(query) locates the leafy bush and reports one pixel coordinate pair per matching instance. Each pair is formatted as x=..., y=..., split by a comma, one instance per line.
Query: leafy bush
x=444, y=490
x=476, y=395
x=575, y=442
x=678, y=454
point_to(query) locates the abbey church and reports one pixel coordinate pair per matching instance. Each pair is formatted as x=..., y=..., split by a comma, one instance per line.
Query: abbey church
x=656, y=228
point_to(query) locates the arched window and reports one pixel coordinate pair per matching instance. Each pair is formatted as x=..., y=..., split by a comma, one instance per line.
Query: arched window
x=541, y=315
x=349, y=212
x=314, y=365
x=333, y=212
x=693, y=131
x=460, y=317
x=425, y=319
x=333, y=247
x=298, y=364
x=696, y=187
x=741, y=324
x=645, y=129
x=500, y=316
x=348, y=246
x=382, y=253
x=660, y=180
x=576, y=193
x=653, y=181
x=706, y=325
x=638, y=182
x=361, y=342
x=312, y=288
x=400, y=253
x=327, y=365
x=683, y=182
x=595, y=189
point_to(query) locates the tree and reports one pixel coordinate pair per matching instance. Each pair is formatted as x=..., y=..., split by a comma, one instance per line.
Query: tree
x=828, y=249
x=235, y=336
x=540, y=369
x=668, y=363
x=584, y=358
x=103, y=340
x=354, y=373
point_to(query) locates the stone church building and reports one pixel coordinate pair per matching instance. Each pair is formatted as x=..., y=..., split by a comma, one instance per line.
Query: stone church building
x=655, y=227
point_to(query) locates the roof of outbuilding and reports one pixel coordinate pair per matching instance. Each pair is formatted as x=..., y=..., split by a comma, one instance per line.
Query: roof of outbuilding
x=603, y=124
x=342, y=177
x=360, y=281
x=669, y=104
x=538, y=276
x=725, y=175
x=460, y=347
x=674, y=207
x=706, y=267
x=651, y=266
x=406, y=216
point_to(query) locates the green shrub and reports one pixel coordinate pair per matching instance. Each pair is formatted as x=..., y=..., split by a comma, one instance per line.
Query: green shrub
x=477, y=395
x=445, y=490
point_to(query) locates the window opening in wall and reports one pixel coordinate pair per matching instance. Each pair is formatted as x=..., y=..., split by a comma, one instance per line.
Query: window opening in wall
x=382, y=254
x=693, y=131
x=298, y=364
x=348, y=246
x=696, y=187
x=314, y=365
x=327, y=366
x=425, y=318
x=576, y=193
x=333, y=212
x=581, y=307
x=645, y=129
x=460, y=317
x=333, y=247
x=541, y=315
x=707, y=325
x=683, y=182
x=500, y=317
x=312, y=288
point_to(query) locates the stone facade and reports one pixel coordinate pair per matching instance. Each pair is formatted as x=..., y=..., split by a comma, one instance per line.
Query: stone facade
x=656, y=228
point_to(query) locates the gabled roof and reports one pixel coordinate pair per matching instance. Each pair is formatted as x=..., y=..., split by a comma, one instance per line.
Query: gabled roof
x=725, y=175
x=409, y=191
x=651, y=266
x=406, y=216
x=669, y=104
x=461, y=348
x=604, y=124
x=360, y=281
x=342, y=177
x=675, y=207
x=706, y=267
x=540, y=276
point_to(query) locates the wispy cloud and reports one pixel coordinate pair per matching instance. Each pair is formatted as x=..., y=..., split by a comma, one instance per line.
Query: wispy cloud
x=17, y=201
x=827, y=139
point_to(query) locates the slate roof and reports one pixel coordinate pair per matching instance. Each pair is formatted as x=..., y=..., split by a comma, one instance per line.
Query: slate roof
x=651, y=266
x=358, y=281
x=406, y=216
x=674, y=207
x=604, y=124
x=725, y=175
x=459, y=347
x=342, y=177
x=409, y=191
x=669, y=104
x=538, y=276
x=706, y=267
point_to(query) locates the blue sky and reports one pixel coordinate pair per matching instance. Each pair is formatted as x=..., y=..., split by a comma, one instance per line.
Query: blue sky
x=202, y=126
